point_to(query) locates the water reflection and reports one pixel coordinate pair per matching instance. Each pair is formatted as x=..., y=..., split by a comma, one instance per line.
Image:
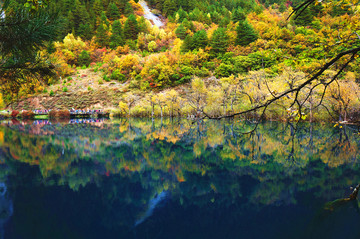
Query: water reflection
x=153, y=203
x=6, y=208
x=123, y=172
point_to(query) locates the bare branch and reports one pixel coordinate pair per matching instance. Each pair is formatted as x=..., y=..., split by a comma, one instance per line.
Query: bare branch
x=297, y=89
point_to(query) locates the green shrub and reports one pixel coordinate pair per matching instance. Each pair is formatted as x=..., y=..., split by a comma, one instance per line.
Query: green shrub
x=210, y=65
x=89, y=88
x=65, y=89
x=186, y=70
x=145, y=85
x=100, y=82
x=203, y=72
x=117, y=75
x=51, y=93
x=69, y=78
x=106, y=78
x=138, y=78
x=224, y=70
x=84, y=59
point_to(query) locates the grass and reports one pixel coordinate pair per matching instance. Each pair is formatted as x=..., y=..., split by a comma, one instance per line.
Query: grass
x=41, y=117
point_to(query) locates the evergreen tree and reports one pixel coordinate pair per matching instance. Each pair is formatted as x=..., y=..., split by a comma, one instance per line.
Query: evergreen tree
x=101, y=35
x=105, y=3
x=104, y=20
x=215, y=17
x=225, y=12
x=338, y=10
x=238, y=15
x=85, y=31
x=224, y=22
x=305, y=18
x=131, y=28
x=199, y=40
x=67, y=5
x=245, y=34
x=159, y=4
x=128, y=9
x=117, y=36
x=142, y=25
x=84, y=58
x=181, y=32
x=121, y=4
x=186, y=46
x=98, y=7
x=22, y=35
x=113, y=12
x=282, y=7
x=219, y=41
x=317, y=10
x=68, y=24
x=169, y=7
x=188, y=24
x=80, y=15
x=51, y=47
x=182, y=14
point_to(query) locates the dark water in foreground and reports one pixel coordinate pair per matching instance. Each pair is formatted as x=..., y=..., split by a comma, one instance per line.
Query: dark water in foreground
x=175, y=179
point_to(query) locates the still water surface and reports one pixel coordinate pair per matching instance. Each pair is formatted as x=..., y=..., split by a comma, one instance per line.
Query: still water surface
x=177, y=179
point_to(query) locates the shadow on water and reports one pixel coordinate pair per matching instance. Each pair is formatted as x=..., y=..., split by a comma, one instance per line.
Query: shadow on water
x=177, y=179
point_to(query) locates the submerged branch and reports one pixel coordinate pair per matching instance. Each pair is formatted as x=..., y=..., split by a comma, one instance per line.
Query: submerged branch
x=355, y=192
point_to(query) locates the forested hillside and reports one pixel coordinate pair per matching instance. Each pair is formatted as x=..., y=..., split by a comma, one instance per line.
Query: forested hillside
x=222, y=56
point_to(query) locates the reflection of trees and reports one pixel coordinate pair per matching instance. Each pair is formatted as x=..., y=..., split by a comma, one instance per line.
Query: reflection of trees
x=6, y=207
x=282, y=158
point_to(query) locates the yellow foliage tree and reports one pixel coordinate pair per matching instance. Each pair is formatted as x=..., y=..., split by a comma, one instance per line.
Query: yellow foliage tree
x=1, y=102
x=129, y=99
x=172, y=97
x=197, y=95
x=161, y=101
x=123, y=107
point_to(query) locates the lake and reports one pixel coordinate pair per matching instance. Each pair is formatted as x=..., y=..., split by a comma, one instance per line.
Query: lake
x=177, y=179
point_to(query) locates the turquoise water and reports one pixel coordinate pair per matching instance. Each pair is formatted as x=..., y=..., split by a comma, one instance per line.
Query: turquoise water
x=177, y=179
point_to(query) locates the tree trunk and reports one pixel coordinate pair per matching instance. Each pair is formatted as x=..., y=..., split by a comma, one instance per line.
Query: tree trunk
x=152, y=110
x=172, y=110
x=224, y=106
x=310, y=114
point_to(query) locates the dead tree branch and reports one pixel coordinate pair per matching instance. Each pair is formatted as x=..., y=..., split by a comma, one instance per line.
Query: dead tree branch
x=298, y=89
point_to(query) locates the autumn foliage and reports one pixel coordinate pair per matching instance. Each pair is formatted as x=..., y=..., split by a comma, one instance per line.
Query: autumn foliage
x=243, y=53
x=59, y=114
x=27, y=114
x=14, y=113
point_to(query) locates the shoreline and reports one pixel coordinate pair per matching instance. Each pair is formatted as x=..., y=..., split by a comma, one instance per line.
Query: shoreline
x=110, y=117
